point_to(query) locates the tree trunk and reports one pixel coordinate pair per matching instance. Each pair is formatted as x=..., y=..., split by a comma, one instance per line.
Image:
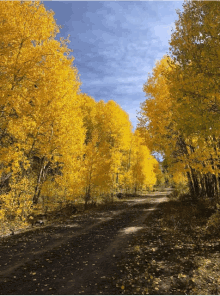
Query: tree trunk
x=41, y=178
x=190, y=183
x=196, y=184
x=87, y=198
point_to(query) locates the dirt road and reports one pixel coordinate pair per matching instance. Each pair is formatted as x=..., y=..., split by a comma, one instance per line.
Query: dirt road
x=81, y=256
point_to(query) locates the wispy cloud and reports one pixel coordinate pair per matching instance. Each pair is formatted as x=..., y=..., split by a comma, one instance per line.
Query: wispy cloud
x=115, y=45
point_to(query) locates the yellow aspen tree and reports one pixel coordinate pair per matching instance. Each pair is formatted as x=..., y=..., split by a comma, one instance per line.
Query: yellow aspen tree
x=108, y=135
x=195, y=86
x=159, y=116
x=185, y=94
x=41, y=127
x=143, y=165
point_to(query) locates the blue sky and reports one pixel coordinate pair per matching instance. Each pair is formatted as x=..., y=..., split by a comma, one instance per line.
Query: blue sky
x=116, y=44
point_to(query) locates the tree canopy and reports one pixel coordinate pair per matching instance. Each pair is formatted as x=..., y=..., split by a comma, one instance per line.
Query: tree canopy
x=180, y=117
x=57, y=143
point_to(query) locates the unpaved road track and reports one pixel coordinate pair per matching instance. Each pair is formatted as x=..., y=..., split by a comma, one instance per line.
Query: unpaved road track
x=78, y=257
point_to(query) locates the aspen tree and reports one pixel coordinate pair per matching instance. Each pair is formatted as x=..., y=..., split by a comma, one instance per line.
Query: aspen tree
x=41, y=124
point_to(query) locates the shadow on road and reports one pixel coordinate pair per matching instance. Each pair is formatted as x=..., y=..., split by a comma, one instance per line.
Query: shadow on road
x=82, y=256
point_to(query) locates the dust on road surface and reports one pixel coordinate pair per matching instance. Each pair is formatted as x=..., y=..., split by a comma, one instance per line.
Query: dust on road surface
x=78, y=257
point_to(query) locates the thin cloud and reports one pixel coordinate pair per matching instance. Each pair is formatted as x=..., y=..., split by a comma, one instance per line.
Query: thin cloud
x=115, y=45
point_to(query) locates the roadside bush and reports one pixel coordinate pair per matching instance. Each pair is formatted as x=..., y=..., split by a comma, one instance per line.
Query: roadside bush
x=180, y=192
x=213, y=224
x=174, y=194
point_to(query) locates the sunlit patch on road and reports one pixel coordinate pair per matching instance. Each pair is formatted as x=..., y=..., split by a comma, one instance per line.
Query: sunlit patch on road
x=72, y=225
x=104, y=218
x=129, y=230
x=137, y=200
x=116, y=212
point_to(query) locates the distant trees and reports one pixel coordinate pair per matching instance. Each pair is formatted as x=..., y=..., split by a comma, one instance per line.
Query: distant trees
x=56, y=143
x=180, y=118
x=115, y=159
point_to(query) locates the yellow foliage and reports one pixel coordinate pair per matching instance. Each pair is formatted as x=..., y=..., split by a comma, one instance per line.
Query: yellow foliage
x=180, y=118
x=56, y=143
